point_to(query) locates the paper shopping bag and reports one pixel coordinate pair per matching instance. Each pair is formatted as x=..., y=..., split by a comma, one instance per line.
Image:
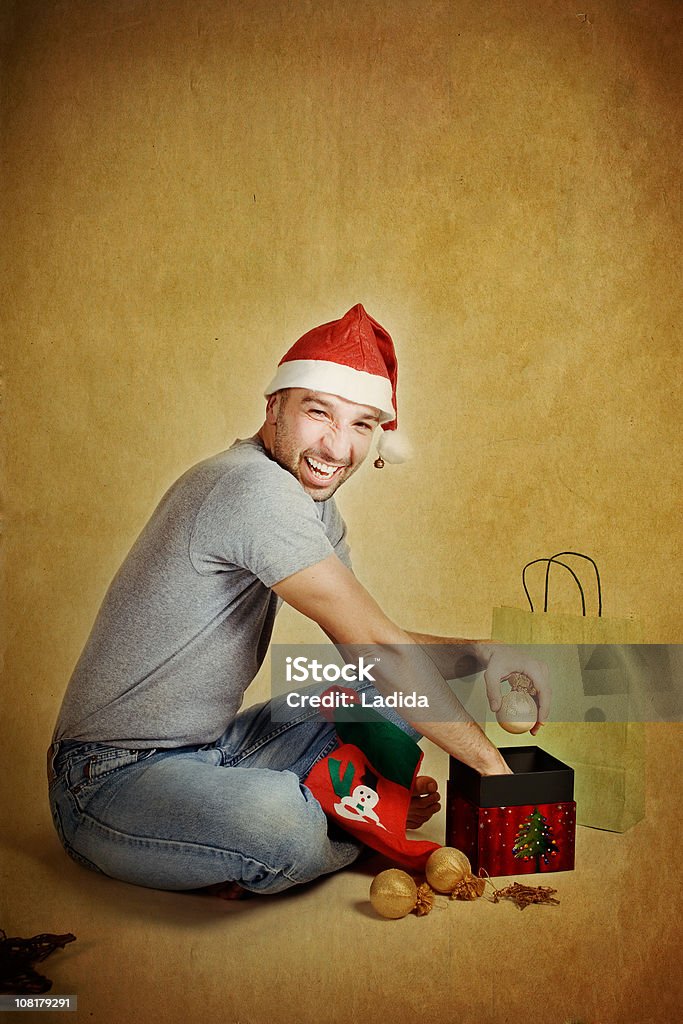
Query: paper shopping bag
x=589, y=725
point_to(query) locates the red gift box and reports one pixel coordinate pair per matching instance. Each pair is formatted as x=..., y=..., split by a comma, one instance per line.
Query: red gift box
x=516, y=824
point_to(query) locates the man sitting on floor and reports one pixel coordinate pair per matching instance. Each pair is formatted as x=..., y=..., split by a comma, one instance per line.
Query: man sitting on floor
x=156, y=777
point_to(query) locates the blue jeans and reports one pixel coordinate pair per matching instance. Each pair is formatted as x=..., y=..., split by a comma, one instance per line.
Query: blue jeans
x=188, y=817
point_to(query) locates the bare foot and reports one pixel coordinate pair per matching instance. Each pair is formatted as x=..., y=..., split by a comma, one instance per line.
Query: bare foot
x=424, y=802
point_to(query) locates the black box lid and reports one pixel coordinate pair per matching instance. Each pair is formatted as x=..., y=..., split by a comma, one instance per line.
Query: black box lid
x=539, y=778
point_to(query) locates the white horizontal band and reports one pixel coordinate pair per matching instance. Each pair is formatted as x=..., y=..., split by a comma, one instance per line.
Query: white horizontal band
x=336, y=379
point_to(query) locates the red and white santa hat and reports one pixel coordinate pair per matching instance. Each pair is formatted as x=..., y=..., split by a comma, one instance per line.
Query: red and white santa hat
x=353, y=358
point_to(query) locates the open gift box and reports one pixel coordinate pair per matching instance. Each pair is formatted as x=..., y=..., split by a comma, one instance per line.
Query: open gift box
x=516, y=824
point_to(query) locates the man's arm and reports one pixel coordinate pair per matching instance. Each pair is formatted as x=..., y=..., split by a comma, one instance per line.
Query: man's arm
x=455, y=657
x=330, y=594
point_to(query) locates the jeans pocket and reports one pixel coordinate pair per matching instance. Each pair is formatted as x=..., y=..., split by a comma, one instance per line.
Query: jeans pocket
x=103, y=763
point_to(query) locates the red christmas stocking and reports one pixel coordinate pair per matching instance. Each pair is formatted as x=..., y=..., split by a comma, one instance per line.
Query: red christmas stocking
x=365, y=785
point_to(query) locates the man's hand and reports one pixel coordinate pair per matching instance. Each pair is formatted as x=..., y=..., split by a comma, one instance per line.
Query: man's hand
x=455, y=656
x=501, y=662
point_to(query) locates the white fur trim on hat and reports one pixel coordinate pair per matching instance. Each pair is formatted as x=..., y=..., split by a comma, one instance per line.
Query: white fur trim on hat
x=336, y=379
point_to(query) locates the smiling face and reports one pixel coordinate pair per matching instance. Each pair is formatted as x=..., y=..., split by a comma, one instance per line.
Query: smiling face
x=321, y=439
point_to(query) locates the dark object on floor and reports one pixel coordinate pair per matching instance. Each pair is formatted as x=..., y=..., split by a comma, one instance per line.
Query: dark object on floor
x=17, y=957
x=524, y=895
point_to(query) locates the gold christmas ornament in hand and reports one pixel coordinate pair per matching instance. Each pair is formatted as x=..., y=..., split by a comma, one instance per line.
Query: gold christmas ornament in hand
x=518, y=711
x=394, y=894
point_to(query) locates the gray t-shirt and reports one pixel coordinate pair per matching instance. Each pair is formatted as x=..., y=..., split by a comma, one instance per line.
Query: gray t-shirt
x=187, y=620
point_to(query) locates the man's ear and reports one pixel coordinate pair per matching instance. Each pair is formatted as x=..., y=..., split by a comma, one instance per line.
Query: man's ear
x=272, y=406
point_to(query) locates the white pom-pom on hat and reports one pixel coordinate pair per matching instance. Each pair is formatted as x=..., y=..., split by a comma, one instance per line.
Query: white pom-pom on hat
x=394, y=447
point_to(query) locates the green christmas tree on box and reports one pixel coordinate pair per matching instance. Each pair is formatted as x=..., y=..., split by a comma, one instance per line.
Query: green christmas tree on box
x=535, y=839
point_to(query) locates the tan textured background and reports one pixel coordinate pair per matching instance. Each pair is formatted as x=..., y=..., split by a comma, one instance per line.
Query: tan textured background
x=190, y=186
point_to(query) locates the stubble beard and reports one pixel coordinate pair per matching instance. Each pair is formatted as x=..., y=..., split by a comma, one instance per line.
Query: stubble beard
x=289, y=456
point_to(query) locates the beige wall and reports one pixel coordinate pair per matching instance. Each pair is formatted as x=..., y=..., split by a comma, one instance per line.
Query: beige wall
x=191, y=185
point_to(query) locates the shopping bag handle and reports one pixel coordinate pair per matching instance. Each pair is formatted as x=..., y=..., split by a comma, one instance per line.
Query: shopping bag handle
x=555, y=560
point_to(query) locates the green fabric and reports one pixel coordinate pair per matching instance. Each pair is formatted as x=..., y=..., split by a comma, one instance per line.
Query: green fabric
x=342, y=785
x=391, y=752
